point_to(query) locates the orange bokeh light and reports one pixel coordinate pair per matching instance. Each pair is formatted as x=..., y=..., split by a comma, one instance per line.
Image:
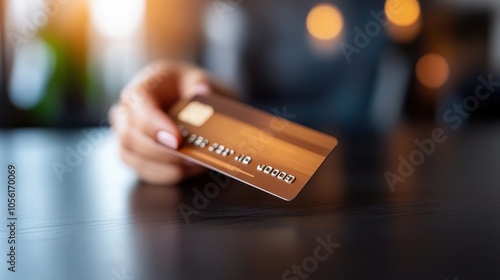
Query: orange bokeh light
x=325, y=22
x=402, y=12
x=432, y=71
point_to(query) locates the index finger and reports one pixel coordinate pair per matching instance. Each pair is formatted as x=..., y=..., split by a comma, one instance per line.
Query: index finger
x=145, y=106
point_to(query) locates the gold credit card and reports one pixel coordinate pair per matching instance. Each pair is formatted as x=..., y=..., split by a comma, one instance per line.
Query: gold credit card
x=265, y=151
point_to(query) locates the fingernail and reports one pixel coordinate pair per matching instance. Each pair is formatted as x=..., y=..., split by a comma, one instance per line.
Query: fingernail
x=167, y=139
x=200, y=89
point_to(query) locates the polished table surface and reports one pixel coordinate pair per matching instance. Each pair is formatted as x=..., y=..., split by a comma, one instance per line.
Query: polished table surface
x=100, y=222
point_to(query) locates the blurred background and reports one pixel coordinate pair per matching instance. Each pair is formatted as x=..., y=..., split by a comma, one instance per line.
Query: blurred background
x=376, y=74
x=362, y=65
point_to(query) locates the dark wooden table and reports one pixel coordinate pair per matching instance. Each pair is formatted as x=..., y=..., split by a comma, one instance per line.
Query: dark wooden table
x=99, y=222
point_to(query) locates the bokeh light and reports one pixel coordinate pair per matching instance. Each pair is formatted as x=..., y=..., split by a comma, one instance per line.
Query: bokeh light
x=31, y=72
x=325, y=22
x=117, y=18
x=402, y=12
x=432, y=71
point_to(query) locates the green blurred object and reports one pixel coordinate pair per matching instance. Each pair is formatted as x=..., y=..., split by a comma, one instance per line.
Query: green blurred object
x=51, y=104
x=69, y=89
x=58, y=90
